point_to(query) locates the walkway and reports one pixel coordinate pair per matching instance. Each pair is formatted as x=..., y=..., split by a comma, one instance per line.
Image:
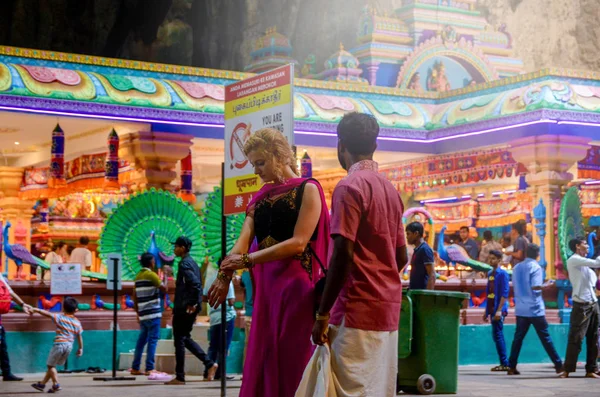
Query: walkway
x=475, y=381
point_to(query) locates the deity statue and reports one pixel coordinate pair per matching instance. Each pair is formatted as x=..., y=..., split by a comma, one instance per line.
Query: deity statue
x=415, y=82
x=449, y=34
x=309, y=66
x=437, y=80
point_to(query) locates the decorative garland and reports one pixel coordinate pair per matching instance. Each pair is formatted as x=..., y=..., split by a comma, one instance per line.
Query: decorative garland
x=457, y=168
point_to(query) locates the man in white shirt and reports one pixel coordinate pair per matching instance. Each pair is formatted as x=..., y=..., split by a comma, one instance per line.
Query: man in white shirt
x=507, y=248
x=82, y=254
x=585, y=314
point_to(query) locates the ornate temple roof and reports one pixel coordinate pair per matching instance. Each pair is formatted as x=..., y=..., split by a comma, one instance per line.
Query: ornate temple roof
x=52, y=82
x=270, y=51
x=342, y=59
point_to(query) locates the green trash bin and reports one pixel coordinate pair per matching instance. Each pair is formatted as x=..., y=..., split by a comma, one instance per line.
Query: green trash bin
x=428, y=341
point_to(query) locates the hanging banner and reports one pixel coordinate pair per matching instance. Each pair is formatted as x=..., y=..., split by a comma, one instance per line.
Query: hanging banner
x=262, y=101
x=589, y=167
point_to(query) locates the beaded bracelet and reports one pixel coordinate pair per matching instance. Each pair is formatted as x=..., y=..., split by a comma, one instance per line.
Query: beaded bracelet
x=247, y=261
x=320, y=317
x=222, y=276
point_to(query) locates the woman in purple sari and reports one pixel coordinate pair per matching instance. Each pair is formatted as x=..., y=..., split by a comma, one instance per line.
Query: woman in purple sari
x=283, y=218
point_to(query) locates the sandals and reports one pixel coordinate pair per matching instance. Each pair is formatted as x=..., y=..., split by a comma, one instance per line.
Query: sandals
x=95, y=370
x=501, y=368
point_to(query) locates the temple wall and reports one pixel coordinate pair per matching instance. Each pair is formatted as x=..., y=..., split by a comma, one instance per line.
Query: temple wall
x=475, y=347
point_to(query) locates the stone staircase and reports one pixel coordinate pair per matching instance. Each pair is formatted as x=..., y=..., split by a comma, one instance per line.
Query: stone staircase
x=165, y=354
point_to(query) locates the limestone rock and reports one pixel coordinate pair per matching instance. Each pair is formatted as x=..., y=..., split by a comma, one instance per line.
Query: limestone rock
x=219, y=33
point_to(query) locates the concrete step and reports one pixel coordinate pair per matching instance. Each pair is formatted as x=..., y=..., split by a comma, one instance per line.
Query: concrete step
x=165, y=353
x=164, y=363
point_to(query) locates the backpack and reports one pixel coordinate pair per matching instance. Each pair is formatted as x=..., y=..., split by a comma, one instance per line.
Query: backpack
x=5, y=298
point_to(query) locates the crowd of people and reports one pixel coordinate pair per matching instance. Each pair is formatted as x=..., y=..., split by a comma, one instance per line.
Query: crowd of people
x=332, y=279
x=60, y=252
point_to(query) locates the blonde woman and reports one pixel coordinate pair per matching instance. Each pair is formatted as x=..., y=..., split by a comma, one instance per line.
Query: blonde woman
x=284, y=217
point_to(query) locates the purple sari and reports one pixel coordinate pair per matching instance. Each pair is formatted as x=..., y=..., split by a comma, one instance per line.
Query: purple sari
x=279, y=346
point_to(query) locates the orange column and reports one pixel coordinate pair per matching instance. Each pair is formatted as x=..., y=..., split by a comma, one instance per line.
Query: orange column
x=154, y=156
x=16, y=211
x=548, y=159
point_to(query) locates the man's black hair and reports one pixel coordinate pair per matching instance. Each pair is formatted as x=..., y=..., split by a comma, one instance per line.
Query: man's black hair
x=574, y=243
x=146, y=260
x=464, y=228
x=496, y=253
x=358, y=132
x=533, y=251
x=84, y=240
x=520, y=227
x=415, y=227
x=488, y=236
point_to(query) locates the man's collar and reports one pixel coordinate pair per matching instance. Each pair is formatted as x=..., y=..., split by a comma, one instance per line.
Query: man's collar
x=364, y=165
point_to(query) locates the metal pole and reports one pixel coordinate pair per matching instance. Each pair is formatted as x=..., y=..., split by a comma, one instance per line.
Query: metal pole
x=223, y=355
x=115, y=284
x=114, y=352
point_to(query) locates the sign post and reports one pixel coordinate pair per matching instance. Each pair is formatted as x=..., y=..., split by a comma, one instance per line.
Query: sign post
x=262, y=101
x=113, y=282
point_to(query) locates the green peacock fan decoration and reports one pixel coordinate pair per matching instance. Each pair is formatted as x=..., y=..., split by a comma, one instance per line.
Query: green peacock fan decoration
x=149, y=222
x=570, y=222
x=211, y=226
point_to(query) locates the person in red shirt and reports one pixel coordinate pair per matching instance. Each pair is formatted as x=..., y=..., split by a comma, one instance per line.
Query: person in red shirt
x=363, y=290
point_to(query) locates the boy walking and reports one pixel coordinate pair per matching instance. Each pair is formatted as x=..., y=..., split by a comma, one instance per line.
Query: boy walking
x=68, y=328
x=422, y=272
x=149, y=312
x=497, y=306
x=188, y=297
x=527, y=278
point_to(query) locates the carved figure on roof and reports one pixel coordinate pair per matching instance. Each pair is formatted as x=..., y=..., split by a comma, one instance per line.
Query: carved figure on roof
x=438, y=81
x=502, y=29
x=342, y=59
x=309, y=67
x=415, y=82
x=449, y=34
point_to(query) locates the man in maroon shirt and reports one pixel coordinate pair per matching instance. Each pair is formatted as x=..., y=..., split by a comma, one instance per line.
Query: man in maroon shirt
x=363, y=289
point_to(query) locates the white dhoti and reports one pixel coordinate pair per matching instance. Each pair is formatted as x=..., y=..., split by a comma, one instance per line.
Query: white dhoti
x=361, y=364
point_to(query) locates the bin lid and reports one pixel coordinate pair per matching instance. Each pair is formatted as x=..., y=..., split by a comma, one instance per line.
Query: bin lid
x=448, y=294
x=405, y=327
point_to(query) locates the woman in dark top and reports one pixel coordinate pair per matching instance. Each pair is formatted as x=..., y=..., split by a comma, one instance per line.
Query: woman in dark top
x=286, y=215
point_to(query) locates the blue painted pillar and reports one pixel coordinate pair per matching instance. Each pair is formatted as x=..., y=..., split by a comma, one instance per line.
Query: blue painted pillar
x=539, y=214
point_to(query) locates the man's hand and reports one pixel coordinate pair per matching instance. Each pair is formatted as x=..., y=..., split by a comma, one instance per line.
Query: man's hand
x=79, y=352
x=191, y=309
x=485, y=317
x=497, y=317
x=218, y=292
x=27, y=309
x=137, y=317
x=319, y=332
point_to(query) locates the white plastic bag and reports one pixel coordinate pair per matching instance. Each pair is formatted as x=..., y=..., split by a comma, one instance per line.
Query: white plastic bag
x=317, y=380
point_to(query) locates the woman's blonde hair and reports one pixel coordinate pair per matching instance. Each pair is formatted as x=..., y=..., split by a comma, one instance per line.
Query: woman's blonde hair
x=271, y=143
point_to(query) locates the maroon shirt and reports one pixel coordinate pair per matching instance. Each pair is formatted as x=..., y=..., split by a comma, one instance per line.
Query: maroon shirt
x=367, y=209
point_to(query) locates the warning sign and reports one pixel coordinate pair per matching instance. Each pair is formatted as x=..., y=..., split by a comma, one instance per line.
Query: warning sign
x=262, y=101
